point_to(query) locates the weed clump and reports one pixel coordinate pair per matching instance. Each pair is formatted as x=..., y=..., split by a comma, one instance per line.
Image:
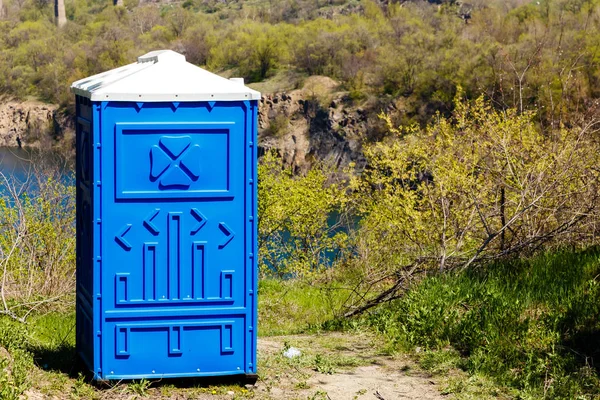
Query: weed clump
x=15, y=359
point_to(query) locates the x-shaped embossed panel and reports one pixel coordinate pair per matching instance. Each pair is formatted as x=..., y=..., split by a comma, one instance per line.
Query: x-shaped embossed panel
x=155, y=161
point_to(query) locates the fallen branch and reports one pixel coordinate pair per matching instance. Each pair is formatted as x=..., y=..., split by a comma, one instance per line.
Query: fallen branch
x=389, y=294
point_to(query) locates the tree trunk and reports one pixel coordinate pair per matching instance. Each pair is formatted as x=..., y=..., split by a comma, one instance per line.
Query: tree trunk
x=1, y=9
x=59, y=13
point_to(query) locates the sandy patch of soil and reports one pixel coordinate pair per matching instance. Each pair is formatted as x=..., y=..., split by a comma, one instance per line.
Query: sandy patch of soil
x=338, y=367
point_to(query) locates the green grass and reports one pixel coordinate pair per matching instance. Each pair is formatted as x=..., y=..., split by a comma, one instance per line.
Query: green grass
x=524, y=329
x=293, y=306
x=531, y=328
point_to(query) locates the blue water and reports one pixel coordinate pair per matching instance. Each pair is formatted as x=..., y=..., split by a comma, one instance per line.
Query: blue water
x=22, y=167
x=15, y=163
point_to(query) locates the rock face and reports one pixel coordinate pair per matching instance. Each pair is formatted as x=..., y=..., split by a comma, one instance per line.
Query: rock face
x=304, y=130
x=27, y=123
x=301, y=126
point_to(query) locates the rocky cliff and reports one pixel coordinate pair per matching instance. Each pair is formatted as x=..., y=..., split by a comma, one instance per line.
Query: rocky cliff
x=303, y=126
x=33, y=124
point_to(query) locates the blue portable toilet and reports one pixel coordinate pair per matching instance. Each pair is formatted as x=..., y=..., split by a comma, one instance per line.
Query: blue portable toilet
x=166, y=221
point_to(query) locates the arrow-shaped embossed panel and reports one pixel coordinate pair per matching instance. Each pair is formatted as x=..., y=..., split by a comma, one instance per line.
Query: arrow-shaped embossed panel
x=149, y=224
x=200, y=218
x=228, y=232
x=162, y=269
x=120, y=238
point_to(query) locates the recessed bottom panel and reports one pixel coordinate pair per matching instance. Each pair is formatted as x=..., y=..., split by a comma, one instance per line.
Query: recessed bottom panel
x=157, y=349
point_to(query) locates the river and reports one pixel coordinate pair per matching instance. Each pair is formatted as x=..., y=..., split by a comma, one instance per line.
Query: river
x=18, y=165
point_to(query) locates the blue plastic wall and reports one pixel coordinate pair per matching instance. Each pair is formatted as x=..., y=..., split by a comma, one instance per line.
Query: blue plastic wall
x=166, y=238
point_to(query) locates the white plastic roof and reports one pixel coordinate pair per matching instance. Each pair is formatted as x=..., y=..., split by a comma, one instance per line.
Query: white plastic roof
x=162, y=75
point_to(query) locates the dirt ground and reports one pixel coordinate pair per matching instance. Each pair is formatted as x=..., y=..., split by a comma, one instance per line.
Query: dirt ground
x=332, y=366
x=347, y=367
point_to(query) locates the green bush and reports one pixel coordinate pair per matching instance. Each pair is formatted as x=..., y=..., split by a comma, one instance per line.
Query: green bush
x=296, y=235
x=414, y=51
x=279, y=126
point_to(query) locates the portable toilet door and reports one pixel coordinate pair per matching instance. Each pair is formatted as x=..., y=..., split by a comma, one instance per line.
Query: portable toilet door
x=166, y=221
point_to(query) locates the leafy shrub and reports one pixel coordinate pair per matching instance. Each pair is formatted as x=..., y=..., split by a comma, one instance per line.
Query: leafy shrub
x=279, y=126
x=296, y=235
x=479, y=186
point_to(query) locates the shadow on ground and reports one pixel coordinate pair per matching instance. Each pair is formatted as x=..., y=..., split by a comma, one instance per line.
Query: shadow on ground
x=584, y=345
x=64, y=359
x=60, y=359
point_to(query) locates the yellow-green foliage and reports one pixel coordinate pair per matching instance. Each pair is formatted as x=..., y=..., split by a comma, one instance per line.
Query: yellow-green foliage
x=481, y=184
x=254, y=48
x=528, y=56
x=296, y=237
x=37, y=245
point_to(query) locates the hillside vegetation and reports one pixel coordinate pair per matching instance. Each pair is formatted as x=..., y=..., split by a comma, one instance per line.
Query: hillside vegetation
x=539, y=55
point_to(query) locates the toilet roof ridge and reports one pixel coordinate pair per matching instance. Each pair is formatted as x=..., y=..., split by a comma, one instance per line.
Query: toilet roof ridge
x=162, y=75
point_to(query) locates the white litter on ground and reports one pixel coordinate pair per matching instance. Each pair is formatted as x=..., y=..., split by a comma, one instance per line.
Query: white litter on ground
x=292, y=352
